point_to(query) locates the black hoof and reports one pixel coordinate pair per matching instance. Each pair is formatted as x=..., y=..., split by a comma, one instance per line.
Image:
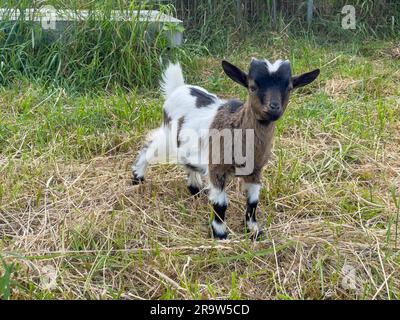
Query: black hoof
x=255, y=233
x=220, y=236
x=219, y=231
x=194, y=191
x=257, y=236
x=137, y=180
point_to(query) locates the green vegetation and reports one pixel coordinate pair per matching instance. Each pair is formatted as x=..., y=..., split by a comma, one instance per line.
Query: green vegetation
x=93, y=53
x=331, y=194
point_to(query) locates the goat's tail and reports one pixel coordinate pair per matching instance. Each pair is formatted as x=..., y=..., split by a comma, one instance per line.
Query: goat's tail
x=172, y=79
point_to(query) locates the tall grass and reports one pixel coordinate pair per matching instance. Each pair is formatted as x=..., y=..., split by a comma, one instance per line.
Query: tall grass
x=219, y=23
x=96, y=52
x=100, y=52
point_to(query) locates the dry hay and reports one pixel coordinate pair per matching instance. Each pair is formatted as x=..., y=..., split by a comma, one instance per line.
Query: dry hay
x=97, y=234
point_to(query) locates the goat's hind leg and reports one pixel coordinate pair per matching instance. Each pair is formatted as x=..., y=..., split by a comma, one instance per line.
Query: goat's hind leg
x=140, y=165
x=155, y=150
x=194, y=179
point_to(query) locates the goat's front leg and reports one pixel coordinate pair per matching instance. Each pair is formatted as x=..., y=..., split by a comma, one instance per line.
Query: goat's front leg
x=219, y=201
x=253, y=192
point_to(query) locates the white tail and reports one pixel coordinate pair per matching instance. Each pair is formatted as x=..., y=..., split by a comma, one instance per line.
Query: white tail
x=172, y=79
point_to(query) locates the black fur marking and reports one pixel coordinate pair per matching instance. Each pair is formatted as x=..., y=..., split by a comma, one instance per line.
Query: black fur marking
x=276, y=83
x=260, y=73
x=136, y=179
x=203, y=99
x=305, y=78
x=167, y=118
x=264, y=122
x=233, y=105
x=194, y=191
x=181, y=120
x=219, y=212
x=251, y=216
x=251, y=211
x=235, y=73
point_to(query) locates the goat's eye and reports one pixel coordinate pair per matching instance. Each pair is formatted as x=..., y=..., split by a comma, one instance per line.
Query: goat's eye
x=253, y=88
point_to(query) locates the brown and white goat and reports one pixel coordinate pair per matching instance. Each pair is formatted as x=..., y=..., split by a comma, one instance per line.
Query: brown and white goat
x=196, y=122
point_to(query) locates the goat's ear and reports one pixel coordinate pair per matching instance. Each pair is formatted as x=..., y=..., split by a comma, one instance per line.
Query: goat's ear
x=235, y=73
x=305, y=78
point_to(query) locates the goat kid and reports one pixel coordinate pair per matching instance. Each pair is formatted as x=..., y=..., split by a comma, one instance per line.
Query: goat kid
x=195, y=122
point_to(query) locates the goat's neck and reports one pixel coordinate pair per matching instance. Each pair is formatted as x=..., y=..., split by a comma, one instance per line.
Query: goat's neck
x=263, y=134
x=248, y=120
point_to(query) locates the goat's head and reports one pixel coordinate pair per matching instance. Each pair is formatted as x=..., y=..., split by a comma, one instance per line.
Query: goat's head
x=269, y=85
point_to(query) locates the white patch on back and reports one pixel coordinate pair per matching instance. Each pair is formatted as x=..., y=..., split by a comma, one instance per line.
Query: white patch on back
x=196, y=125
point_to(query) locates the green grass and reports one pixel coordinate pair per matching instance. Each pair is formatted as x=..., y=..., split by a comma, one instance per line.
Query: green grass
x=98, y=52
x=330, y=195
x=5, y=280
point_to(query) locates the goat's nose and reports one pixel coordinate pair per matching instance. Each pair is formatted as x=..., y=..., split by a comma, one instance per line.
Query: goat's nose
x=274, y=105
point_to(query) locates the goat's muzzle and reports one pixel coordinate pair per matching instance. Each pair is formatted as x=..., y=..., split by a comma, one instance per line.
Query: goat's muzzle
x=273, y=114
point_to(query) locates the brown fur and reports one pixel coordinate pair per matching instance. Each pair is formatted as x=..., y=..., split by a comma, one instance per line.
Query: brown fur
x=244, y=118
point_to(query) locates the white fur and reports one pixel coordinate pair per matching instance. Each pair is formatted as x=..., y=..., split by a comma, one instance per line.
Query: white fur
x=252, y=225
x=172, y=79
x=194, y=132
x=219, y=228
x=218, y=196
x=273, y=67
x=140, y=165
x=194, y=179
x=253, y=191
x=193, y=135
